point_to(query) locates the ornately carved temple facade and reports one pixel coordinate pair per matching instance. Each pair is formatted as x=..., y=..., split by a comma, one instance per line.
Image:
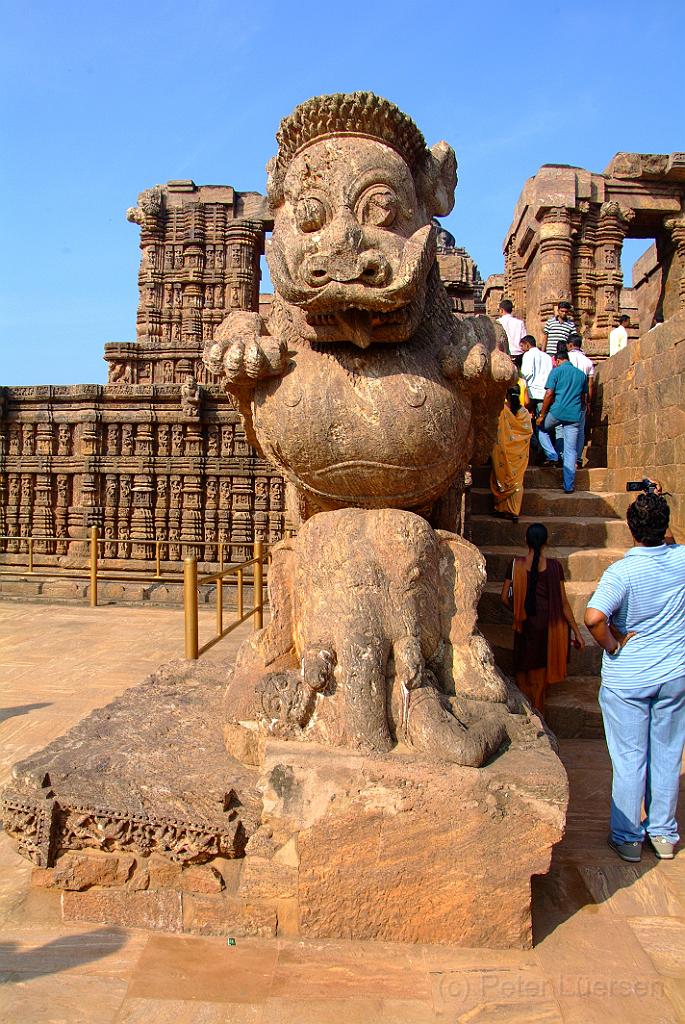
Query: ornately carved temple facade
x=158, y=453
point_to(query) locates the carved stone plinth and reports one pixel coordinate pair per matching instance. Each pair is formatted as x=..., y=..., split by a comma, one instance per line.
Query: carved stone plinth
x=140, y=818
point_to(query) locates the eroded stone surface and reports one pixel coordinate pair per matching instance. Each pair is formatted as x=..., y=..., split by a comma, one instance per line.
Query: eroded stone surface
x=403, y=849
x=128, y=780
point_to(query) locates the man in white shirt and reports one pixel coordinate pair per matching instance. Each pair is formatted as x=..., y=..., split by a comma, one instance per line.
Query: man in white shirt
x=582, y=362
x=618, y=338
x=514, y=329
x=536, y=367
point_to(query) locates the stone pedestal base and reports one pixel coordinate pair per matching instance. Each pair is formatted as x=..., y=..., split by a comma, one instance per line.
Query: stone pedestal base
x=140, y=818
x=400, y=849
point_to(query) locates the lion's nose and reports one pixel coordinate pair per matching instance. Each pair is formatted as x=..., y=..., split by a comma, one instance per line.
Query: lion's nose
x=367, y=267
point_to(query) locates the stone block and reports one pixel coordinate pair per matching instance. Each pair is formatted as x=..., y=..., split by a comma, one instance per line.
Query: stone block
x=82, y=870
x=159, y=911
x=201, y=878
x=679, y=357
x=407, y=850
x=230, y=872
x=264, y=879
x=648, y=426
x=670, y=423
x=668, y=392
x=64, y=590
x=288, y=918
x=647, y=345
x=164, y=873
x=226, y=915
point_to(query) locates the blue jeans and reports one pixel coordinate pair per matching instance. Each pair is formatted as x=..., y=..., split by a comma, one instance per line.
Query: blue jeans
x=569, y=433
x=645, y=734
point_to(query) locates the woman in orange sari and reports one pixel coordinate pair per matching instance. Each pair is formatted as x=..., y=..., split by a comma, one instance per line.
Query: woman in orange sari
x=534, y=591
x=510, y=457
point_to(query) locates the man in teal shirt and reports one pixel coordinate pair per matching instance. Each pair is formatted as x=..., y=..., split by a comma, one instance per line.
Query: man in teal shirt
x=563, y=404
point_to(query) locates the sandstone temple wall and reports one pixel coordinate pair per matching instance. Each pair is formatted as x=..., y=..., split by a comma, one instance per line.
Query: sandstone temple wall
x=140, y=463
x=639, y=415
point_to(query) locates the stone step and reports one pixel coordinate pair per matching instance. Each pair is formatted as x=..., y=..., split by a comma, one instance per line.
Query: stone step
x=501, y=639
x=579, y=564
x=564, y=531
x=596, y=480
x=545, y=502
x=491, y=609
x=572, y=710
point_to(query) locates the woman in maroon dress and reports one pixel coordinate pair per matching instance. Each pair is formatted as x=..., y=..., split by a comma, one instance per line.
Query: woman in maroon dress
x=534, y=591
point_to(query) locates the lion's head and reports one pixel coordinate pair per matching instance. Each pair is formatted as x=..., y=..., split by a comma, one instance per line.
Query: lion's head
x=353, y=189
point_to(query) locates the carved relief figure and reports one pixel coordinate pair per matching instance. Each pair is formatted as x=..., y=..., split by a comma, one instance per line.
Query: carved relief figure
x=177, y=439
x=64, y=439
x=163, y=434
x=28, y=440
x=127, y=439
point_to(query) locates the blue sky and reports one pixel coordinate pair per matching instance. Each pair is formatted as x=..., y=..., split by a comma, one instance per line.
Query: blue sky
x=103, y=100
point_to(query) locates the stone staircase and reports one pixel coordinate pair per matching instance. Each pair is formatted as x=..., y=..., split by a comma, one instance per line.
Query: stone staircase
x=587, y=532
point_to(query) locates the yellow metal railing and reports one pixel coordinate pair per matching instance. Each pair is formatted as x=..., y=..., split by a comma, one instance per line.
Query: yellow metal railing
x=94, y=570
x=190, y=602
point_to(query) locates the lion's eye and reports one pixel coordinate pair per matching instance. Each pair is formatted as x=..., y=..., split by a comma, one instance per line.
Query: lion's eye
x=310, y=214
x=378, y=206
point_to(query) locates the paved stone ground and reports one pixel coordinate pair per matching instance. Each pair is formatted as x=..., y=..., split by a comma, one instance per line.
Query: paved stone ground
x=609, y=937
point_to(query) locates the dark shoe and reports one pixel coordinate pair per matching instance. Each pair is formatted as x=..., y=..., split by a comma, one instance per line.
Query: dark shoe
x=631, y=852
x=572, y=491
x=550, y=462
x=662, y=848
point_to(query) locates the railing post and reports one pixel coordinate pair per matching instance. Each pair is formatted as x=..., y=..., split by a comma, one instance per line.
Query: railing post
x=190, y=607
x=30, y=554
x=93, y=566
x=258, y=586
x=219, y=606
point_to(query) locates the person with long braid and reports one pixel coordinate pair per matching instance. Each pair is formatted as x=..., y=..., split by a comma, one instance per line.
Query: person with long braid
x=535, y=592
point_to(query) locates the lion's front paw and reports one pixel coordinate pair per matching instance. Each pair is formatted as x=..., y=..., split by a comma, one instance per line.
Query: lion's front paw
x=240, y=351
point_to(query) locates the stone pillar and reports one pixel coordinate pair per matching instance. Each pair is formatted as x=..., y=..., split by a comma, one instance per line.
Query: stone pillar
x=191, y=518
x=142, y=527
x=241, y=520
x=62, y=513
x=161, y=512
x=583, y=271
x=676, y=226
x=175, y=502
x=245, y=244
x=554, y=261
x=110, y=518
x=14, y=498
x=42, y=522
x=124, y=516
x=614, y=221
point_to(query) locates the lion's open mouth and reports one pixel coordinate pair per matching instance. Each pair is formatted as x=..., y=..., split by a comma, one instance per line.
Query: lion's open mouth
x=360, y=326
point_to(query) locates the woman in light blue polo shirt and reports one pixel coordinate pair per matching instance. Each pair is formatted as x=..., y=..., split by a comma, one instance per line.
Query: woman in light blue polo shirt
x=637, y=614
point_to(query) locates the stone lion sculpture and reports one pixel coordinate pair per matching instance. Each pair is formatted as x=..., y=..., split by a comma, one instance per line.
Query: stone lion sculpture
x=372, y=399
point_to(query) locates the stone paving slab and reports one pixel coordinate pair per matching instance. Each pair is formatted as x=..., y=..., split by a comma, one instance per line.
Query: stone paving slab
x=609, y=937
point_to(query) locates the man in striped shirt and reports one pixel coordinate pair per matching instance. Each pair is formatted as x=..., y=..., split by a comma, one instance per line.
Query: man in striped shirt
x=558, y=328
x=637, y=614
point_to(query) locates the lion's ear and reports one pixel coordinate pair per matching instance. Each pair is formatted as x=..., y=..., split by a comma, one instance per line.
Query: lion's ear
x=442, y=180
